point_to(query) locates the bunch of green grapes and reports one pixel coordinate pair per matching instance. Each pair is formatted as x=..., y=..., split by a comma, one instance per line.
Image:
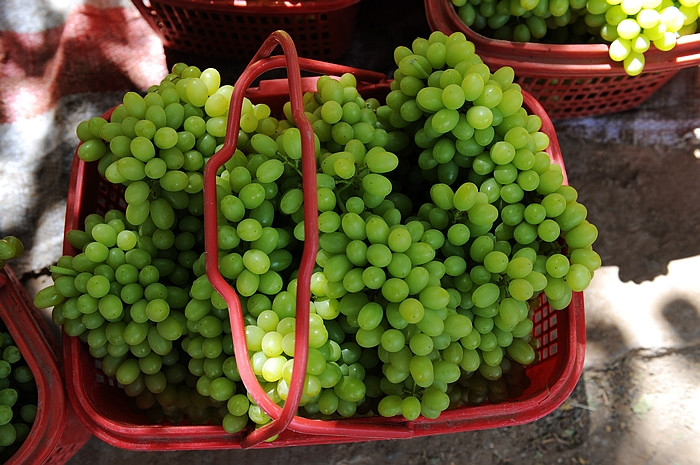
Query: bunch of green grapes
x=354, y=154
x=441, y=221
x=502, y=226
x=130, y=292
x=18, y=391
x=558, y=21
x=18, y=396
x=136, y=291
x=630, y=27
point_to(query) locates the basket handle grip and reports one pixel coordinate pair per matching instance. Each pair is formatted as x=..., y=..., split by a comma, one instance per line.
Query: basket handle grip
x=281, y=417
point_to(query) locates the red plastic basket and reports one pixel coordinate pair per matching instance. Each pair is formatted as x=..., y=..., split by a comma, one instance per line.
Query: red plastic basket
x=322, y=29
x=105, y=410
x=571, y=80
x=56, y=434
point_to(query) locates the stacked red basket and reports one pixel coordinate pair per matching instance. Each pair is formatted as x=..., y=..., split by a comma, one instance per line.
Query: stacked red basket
x=322, y=29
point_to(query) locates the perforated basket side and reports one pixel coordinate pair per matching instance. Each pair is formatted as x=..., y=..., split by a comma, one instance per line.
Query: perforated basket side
x=235, y=29
x=571, y=97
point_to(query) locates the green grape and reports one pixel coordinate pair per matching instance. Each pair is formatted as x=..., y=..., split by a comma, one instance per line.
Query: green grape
x=410, y=408
x=578, y=277
x=648, y=17
x=554, y=204
x=479, y=116
x=619, y=49
x=582, y=235
x=634, y=63
x=483, y=214
x=521, y=352
x=556, y=288
x=641, y=44
x=573, y=215
x=421, y=369
x=8, y=434
x=548, y=230
x=534, y=213
x=587, y=257
x=563, y=302
x=557, y=265
x=92, y=150
x=134, y=104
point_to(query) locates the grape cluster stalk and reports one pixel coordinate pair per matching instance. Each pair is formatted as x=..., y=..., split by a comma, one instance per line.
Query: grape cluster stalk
x=441, y=220
x=629, y=27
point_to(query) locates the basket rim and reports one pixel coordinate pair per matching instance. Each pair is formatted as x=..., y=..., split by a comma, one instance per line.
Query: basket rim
x=558, y=59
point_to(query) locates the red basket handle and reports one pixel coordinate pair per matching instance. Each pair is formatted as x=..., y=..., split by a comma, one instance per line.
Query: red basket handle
x=282, y=418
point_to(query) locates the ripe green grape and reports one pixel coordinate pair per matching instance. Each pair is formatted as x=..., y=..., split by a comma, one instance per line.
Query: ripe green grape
x=18, y=394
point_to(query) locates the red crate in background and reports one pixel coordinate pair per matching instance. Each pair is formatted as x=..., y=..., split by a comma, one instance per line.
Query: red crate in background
x=106, y=411
x=56, y=434
x=321, y=29
x=571, y=80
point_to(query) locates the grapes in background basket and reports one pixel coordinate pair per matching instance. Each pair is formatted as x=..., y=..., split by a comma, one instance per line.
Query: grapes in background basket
x=629, y=27
x=18, y=396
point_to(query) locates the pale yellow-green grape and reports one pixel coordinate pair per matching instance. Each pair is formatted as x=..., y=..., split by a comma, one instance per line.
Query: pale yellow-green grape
x=212, y=79
x=620, y=49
